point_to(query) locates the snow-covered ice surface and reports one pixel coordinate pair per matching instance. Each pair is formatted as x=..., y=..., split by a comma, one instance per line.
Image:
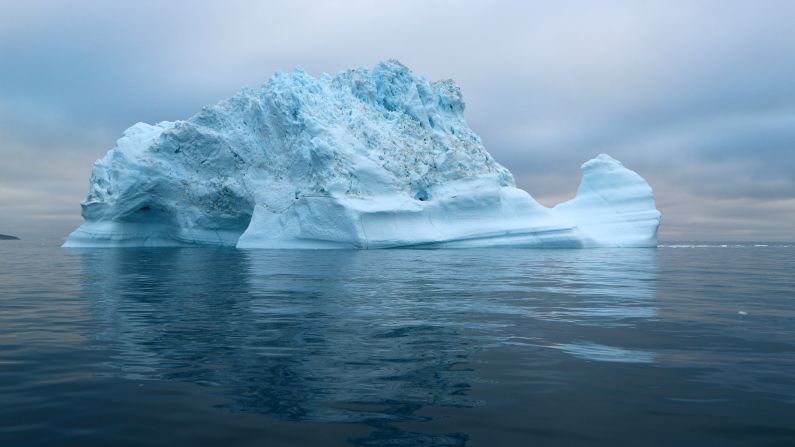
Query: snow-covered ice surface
x=366, y=159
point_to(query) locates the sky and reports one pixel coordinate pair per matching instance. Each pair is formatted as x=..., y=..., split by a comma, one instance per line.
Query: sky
x=696, y=96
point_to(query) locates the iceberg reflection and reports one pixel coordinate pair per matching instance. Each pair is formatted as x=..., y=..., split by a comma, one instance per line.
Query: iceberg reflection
x=356, y=336
x=602, y=353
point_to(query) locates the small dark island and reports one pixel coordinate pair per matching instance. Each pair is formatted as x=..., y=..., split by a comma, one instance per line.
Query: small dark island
x=5, y=237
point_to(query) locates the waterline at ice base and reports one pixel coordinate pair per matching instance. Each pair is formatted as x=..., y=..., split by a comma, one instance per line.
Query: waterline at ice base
x=378, y=158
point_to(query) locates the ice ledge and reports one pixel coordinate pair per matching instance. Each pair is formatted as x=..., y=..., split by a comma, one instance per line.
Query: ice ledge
x=614, y=207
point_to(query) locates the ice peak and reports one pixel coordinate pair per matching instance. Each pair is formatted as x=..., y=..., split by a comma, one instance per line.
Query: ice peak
x=601, y=162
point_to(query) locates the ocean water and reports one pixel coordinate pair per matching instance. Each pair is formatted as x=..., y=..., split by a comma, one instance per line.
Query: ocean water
x=689, y=344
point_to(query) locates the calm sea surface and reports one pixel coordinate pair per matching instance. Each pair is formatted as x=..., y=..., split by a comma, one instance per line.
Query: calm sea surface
x=680, y=345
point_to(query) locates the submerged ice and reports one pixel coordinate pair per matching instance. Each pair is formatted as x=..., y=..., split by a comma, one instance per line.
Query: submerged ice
x=366, y=159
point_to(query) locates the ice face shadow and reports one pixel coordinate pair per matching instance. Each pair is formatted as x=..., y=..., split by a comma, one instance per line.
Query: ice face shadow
x=351, y=336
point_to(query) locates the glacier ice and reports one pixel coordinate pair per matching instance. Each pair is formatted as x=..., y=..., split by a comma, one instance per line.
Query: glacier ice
x=366, y=159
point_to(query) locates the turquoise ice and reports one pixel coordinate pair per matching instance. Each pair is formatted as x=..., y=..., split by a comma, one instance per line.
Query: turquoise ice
x=366, y=159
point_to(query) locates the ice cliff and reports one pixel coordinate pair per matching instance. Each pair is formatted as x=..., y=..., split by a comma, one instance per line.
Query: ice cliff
x=366, y=159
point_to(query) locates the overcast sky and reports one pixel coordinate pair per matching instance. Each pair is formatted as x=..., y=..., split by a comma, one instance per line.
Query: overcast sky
x=696, y=96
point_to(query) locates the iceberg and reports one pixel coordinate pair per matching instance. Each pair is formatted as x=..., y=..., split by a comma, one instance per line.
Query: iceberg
x=370, y=158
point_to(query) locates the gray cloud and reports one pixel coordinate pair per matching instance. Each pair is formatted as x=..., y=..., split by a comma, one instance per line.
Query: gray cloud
x=699, y=97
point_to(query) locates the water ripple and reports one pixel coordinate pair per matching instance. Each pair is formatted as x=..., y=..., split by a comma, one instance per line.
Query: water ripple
x=402, y=347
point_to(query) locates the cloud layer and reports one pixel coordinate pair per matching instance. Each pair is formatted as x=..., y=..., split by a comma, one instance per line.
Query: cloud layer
x=698, y=97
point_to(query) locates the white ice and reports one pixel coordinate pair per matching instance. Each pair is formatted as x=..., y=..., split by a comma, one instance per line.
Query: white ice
x=367, y=159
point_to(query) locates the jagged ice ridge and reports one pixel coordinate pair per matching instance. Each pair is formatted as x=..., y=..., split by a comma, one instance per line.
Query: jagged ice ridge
x=366, y=159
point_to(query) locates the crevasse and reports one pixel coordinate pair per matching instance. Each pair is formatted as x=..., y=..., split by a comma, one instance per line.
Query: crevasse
x=366, y=159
